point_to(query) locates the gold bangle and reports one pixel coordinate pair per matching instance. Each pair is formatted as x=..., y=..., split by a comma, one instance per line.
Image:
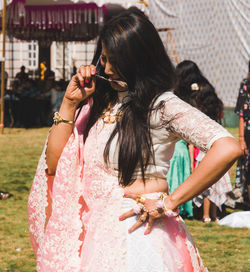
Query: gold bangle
x=58, y=119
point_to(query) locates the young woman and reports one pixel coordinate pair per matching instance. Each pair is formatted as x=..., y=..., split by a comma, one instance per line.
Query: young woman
x=120, y=145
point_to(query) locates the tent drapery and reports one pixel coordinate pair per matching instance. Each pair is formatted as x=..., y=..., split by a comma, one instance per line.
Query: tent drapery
x=73, y=22
x=64, y=20
x=215, y=34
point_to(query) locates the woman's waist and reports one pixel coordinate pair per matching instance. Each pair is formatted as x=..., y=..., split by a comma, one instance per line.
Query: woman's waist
x=148, y=186
x=108, y=190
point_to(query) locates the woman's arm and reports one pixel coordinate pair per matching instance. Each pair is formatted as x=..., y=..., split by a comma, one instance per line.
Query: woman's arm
x=188, y=123
x=241, y=134
x=191, y=154
x=59, y=135
x=215, y=164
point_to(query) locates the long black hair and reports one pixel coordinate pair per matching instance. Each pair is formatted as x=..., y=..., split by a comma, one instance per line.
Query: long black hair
x=140, y=59
x=194, y=88
x=208, y=102
x=188, y=74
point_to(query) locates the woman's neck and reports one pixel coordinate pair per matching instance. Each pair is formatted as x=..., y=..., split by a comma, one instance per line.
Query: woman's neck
x=121, y=95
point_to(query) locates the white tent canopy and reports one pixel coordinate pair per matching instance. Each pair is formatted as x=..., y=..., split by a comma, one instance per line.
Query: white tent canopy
x=7, y=2
x=213, y=33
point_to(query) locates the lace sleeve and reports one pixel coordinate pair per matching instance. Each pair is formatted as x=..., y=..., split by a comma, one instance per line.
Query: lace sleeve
x=190, y=124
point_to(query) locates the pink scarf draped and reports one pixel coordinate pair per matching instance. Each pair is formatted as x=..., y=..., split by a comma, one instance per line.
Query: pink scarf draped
x=55, y=206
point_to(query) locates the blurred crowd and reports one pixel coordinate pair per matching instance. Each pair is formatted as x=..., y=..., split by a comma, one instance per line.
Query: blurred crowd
x=32, y=102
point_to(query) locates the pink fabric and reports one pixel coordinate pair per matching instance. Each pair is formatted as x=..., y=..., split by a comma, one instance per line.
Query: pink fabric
x=63, y=195
x=196, y=153
x=177, y=248
x=85, y=234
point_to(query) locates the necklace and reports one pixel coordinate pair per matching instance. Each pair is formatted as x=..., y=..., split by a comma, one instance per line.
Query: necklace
x=109, y=117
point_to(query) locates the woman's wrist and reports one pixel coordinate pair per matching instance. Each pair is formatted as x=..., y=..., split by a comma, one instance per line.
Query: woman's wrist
x=68, y=109
x=70, y=104
x=170, y=203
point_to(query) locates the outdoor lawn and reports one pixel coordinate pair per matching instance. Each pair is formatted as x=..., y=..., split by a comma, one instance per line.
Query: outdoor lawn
x=223, y=249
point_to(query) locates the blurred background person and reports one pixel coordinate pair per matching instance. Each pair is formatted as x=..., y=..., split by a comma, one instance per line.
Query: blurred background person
x=22, y=76
x=243, y=110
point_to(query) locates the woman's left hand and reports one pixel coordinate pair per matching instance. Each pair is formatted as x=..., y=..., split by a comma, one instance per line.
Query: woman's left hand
x=149, y=212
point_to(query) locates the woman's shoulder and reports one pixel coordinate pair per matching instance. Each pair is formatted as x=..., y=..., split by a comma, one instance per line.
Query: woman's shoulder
x=165, y=96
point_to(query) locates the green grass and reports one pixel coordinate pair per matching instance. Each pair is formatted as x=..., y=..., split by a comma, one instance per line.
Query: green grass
x=222, y=249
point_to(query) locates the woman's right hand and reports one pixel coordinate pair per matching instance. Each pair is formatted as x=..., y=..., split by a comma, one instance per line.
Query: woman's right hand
x=82, y=85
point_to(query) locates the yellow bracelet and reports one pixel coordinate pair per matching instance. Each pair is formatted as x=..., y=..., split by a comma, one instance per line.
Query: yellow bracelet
x=58, y=119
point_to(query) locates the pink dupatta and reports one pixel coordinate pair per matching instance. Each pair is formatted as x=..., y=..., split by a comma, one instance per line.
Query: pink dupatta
x=55, y=206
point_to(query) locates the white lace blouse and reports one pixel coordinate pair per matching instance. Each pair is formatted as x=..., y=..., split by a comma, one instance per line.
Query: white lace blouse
x=174, y=120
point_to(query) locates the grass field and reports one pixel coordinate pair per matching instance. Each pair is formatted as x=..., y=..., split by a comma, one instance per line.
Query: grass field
x=223, y=249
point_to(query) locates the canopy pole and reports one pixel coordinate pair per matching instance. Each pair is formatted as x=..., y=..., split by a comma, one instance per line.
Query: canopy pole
x=64, y=61
x=2, y=70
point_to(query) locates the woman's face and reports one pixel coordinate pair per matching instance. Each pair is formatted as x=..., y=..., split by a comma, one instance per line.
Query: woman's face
x=106, y=62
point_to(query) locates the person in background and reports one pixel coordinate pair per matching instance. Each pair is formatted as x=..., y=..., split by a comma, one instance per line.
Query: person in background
x=22, y=76
x=195, y=89
x=243, y=110
x=30, y=106
x=180, y=170
x=216, y=195
x=43, y=68
x=57, y=94
x=49, y=75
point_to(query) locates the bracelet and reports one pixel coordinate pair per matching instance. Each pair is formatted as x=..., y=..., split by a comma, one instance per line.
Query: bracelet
x=168, y=212
x=161, y=204
x=58, y=119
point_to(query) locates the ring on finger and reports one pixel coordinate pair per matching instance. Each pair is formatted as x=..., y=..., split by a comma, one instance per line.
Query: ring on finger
x=143, y=218
x=140, y=199
x=160, y=210
x=138, y=208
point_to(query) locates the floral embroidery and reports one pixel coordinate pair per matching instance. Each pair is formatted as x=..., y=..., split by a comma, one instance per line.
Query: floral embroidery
x=83, y=233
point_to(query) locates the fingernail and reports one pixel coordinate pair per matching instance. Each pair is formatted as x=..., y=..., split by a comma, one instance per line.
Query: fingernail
x=125, y=194
x=130, y=230
x=120, y=218
x=82, y=84
x=87, y=80
x=93, y=72
x=146, y=232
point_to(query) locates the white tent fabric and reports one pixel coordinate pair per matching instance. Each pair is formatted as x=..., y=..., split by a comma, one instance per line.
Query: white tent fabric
x=236, y=220
x=7, y=3
x=124, y=3
x=213, y=33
